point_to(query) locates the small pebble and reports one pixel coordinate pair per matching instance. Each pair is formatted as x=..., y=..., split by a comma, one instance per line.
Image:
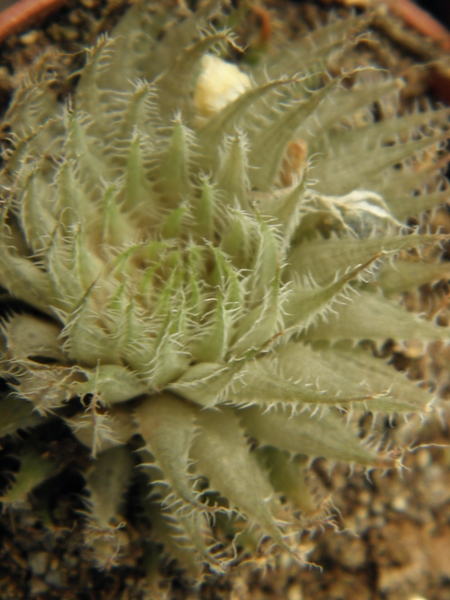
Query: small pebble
x=399, y=503
x=38, y=562
x=378, y=506
x=365, y=497
x=423, y=458
x=30, y=37
x=37, y=586
x=71, y=559
x=295, y=592
x=286, y=560
x=378, y=522
x=353, y=554
x=55, y=579
x=71, y=33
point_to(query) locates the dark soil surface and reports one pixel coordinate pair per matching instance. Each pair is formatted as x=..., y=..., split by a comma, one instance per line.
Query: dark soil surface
x=393, y=528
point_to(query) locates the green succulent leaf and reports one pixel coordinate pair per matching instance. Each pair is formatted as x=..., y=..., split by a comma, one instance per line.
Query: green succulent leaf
x=168, y=428
x=319, y=435
x=370, y=316
x=222, y=455
x=34, y=470
x=287, y=475
x=16, y=414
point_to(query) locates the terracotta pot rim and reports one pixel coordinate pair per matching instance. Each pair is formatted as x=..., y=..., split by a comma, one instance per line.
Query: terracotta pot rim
x=24, y=13
x=412, y=15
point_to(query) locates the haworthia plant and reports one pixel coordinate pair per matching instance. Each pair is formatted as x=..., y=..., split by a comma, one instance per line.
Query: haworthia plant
x=176, y=240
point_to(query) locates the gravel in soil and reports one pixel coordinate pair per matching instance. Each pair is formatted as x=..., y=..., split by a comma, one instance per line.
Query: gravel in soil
x=392, y=543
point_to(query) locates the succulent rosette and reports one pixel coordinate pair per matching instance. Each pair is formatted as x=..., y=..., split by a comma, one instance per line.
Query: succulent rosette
x=184, y=245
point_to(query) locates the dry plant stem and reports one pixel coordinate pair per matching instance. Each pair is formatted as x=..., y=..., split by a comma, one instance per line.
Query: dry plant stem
x=440, y=84
x=25, y=12
x=266, y=23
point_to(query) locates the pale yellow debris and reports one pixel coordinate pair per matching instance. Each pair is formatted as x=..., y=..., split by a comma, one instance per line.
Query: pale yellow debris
x=218, y=84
